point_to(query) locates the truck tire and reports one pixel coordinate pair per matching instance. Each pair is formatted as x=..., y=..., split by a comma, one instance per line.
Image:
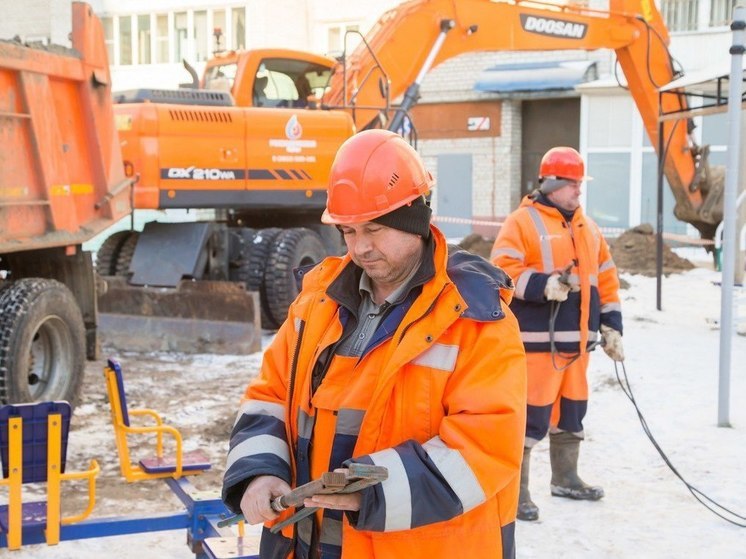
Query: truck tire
x=250, y=268
x=126, y=252
x=106, y=256
x=292, y=248
x=42, y=343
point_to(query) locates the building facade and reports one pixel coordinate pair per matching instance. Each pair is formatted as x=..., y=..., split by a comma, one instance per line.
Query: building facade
x=483, y=142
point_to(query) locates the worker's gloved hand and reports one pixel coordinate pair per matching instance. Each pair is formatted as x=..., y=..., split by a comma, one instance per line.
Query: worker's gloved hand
x=574, y=284
x=612, y=343
x=255, y=503
x=556, y=290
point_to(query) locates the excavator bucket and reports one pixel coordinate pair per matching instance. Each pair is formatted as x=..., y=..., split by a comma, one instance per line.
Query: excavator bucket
x=193, y=317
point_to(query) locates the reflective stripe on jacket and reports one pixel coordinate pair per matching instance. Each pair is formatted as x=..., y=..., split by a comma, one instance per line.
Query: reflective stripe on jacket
x=446, y=415
x=535, y=241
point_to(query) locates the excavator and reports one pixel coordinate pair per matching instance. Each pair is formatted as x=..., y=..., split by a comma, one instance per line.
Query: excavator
x=255, y=139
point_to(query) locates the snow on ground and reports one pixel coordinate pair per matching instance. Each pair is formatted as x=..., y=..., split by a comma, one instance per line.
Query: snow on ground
x=672, y=363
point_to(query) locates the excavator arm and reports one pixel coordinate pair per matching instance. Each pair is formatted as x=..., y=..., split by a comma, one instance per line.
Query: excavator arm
x=416, y=36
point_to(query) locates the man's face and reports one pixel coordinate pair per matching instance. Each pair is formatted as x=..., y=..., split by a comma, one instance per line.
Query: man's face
x=567, y=197
x=387, y=255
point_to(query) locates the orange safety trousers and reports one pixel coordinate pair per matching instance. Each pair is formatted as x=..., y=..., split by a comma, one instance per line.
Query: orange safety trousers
x=556, y=399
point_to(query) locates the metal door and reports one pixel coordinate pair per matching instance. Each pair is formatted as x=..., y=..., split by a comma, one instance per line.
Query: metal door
x=546, y=123
x=453, y=193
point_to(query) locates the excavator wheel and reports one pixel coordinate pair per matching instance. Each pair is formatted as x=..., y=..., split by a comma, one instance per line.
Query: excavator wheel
x=42, y=342
x=106, y=256
x=249, y=269
x=292, y=248
x=239, y=246
x=124, y=257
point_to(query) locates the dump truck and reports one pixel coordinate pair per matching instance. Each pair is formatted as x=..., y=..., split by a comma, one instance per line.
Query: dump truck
x=62, y=181
x=256, y=139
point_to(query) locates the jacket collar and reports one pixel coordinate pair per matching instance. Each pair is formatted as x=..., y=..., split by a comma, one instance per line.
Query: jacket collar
x=475, y=279
x=546, y=207
x=344, y=289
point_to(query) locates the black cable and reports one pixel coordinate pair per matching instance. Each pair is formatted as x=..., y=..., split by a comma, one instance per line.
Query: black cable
x=677, y=70
x=616, y=75
x=553, y=312
x=672, y=63
x=706, y=501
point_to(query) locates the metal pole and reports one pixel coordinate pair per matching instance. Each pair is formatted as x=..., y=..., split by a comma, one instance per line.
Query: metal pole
x=729, y=212
x=659, y=218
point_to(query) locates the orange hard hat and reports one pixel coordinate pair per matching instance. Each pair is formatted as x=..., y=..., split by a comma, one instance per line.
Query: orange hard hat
x=562, y=163
x=374, y=173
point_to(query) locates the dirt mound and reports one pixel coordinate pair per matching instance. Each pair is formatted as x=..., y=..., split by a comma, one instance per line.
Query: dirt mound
x=476, y=244
x=634, y=252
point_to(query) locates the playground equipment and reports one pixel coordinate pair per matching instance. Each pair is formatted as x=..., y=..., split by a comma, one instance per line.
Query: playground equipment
x=157, y=466
x=33, y=447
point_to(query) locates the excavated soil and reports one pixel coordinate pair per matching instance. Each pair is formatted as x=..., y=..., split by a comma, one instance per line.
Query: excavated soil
x=476, y=244
x=633, y=252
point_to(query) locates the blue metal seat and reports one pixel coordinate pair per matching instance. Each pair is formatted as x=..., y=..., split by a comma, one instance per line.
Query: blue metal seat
x=33, y=449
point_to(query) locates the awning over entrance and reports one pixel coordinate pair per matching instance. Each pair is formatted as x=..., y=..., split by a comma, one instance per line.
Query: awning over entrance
x=536, y=76
x=706, y=91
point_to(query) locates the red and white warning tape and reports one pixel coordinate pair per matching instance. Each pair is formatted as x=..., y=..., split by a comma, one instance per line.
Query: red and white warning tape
x=465, y=221
x=611, y=232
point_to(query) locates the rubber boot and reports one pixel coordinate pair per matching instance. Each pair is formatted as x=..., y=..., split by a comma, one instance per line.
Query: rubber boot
x=527, y=510
x=564, y=448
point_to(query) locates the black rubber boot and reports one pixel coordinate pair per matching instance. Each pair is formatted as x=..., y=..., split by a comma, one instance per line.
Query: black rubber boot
x=527, y=510
x=564, y=448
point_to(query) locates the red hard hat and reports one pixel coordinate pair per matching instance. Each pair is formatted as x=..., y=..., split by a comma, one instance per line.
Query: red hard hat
x=562, y=163
x=374, y=173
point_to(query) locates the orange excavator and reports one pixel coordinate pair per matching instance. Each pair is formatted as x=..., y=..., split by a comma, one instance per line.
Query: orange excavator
x=255, y=140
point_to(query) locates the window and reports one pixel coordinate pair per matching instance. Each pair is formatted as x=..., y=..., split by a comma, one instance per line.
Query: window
x=108, y=24
x=239, y=28
x=334, y=42
x=715, y=129
x=611, y=122
x=336, y=39
x=649, y=197
x=284, y=82
x=201, y=36
x=218, y=30
x=143, y=39
x=721, y=12
x=608, y=197
x=680, y=15
x=161, y=39
x=125, y=39
x=180, y=36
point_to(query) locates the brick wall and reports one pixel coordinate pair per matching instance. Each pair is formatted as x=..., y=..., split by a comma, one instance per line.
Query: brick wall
x=496, y=166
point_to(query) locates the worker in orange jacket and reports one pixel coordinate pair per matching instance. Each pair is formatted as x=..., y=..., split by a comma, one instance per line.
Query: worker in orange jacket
x=566, y=290
x=399, y=355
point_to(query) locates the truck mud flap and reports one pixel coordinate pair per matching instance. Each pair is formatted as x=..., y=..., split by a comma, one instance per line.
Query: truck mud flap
x=194, y=317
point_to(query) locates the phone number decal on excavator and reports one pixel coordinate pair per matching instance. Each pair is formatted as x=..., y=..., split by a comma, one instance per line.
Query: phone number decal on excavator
x=553, y=27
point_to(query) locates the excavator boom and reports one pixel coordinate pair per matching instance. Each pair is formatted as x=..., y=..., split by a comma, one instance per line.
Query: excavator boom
x=634, y=29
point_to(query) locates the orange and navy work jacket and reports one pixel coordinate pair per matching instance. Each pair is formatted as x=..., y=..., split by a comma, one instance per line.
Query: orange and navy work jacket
x=438, y=397
x=535, y=241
